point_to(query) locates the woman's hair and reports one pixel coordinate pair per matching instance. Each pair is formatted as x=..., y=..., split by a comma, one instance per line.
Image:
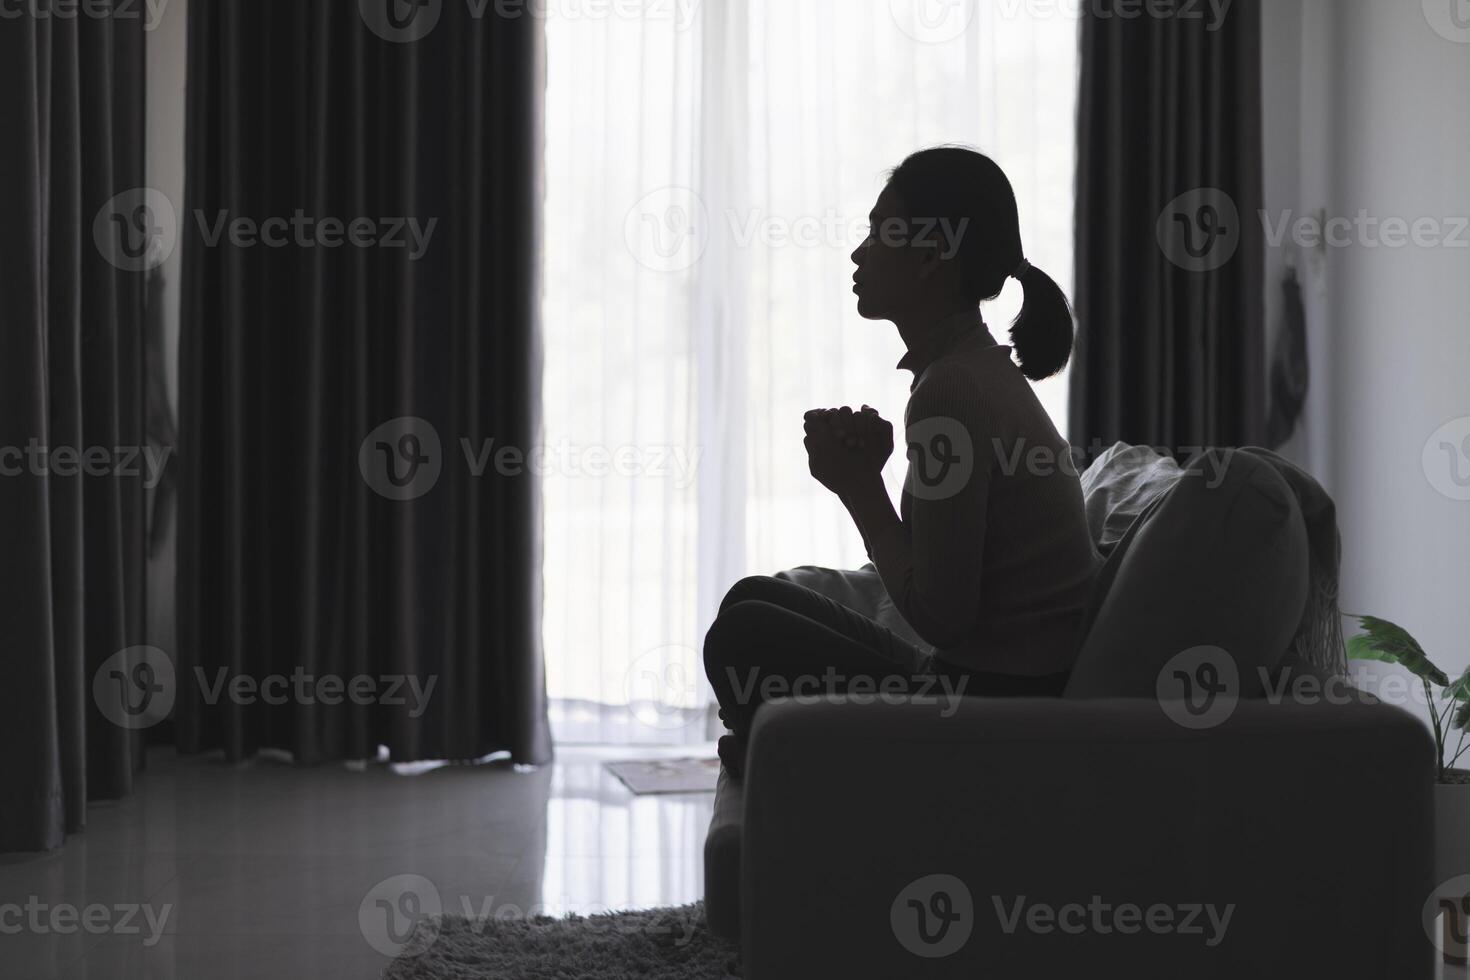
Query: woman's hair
x=969, y=193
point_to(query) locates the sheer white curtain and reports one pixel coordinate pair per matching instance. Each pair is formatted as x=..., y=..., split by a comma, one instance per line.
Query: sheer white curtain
x=710, y=167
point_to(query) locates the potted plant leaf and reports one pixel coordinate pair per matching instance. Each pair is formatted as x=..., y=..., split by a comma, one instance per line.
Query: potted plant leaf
x=1449, y=712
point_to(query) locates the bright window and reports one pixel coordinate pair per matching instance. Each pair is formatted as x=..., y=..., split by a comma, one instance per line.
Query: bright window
x=709, y=169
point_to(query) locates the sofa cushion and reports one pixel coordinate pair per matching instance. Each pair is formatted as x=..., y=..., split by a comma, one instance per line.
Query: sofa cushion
x=1219, y=560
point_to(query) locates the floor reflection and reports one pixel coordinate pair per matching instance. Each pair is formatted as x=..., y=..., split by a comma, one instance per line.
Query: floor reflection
x=606, y=848
x=264, y=867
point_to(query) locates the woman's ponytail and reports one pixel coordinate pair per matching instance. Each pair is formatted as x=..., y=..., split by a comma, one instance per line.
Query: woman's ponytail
x=1042, y=332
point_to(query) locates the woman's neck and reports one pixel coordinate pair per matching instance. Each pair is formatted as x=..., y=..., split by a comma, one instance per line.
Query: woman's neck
x=917, y=327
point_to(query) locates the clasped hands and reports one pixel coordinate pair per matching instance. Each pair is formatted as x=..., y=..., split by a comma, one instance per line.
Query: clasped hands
x=846, y=449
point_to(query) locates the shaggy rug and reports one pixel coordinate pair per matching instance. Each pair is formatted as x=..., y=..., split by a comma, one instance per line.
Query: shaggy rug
x=653, y=943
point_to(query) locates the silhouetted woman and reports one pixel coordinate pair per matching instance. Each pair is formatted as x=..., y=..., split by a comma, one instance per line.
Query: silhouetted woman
x=989, y=558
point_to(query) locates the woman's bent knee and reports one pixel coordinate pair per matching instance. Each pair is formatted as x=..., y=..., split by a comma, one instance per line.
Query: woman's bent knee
x=732, y=634
x=737, y=643
x=756, y=588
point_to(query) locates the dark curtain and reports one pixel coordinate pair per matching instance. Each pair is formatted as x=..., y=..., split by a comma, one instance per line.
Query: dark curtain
x=1169, y=249
x=71, y=384
x=299, y=556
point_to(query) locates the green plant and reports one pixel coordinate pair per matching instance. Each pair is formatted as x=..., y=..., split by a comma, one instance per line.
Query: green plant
x=1385, y=641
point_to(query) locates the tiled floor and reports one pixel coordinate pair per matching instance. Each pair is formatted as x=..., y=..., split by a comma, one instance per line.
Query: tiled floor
x=259, y=870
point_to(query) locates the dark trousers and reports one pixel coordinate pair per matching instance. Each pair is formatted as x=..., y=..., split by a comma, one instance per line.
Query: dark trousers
x=774, y=637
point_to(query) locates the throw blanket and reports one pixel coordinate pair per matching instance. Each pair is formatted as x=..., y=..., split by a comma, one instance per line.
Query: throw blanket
x=860, y=590
x=1118, y=487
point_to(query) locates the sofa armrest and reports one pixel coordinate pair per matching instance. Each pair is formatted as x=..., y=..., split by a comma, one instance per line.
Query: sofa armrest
x=1311, y=826
x=722, y=858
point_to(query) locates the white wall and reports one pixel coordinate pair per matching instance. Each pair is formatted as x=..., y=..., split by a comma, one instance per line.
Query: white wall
x=1366, y=110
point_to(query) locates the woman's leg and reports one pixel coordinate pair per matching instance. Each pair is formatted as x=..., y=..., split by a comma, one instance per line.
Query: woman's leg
x=814, y=605
x=776, y=638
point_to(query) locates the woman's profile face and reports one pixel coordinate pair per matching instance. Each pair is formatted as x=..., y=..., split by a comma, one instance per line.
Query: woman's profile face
x=889, y=270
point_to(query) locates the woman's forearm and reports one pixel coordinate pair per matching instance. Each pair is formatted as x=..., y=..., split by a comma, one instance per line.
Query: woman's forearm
x=871, y=509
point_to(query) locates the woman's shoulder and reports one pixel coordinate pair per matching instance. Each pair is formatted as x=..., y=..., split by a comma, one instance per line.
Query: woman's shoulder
x=980, y=382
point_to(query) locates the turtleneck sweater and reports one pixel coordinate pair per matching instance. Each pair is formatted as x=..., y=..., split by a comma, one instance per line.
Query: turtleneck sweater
x=992, y=562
